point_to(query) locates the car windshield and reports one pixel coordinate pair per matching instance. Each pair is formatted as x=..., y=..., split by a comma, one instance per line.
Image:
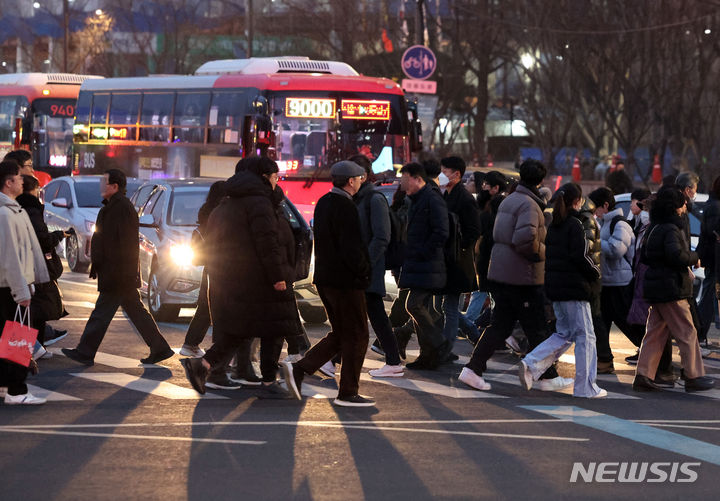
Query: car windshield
x=88, y=193
x=185, y=206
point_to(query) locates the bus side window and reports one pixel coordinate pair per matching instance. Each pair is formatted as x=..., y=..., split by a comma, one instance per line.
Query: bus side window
x=227, y=112
x=82, y=116
x=190, y=119
x=155, y=117
x=98, y=116
x=123, y=116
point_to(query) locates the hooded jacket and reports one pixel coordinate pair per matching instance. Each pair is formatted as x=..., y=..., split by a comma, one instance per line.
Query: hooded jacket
x=22, y=261
x=618, y=250
x=247, y=253
x=518, y=255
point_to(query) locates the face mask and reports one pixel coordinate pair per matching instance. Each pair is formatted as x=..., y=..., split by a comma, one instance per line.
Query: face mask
x=443, y=180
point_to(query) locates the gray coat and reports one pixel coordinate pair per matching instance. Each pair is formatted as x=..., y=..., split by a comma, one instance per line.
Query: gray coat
x=518, y=255
x=618, y=250
x=374, y=215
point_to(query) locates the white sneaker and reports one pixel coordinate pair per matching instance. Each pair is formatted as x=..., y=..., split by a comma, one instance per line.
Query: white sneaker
x=601, y=394
x=471, y=379
x=293, y=359
x=39, y=352
x=526, y=378
x=554, y=384
x=192, y=351
x=328, y=369
x=388, y=371
x=26, y=399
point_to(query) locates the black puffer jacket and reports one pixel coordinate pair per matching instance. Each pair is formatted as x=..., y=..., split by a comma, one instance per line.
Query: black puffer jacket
x=592, y=233
x=248, y=253
x=487, y=223
x=710, y=223
x=570, y=271
x=427, y=231
x=461, y=275
x=666, y=253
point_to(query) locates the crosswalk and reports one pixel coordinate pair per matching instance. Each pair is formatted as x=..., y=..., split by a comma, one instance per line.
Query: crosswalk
x=503, y=375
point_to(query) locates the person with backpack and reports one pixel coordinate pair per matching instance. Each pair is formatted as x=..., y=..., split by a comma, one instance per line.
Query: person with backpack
x=376, y=230
x=460, y=261
x=617, y=242
x=570, y=273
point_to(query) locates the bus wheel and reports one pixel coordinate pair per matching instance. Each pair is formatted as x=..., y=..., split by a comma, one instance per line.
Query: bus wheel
x=313, y=314
x=161, y=312
x=72, y=254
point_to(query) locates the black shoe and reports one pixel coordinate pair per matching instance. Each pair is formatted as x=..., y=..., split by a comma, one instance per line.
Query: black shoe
x=246, y=379
x=154, y=358
x=73, y=354
x=52, y=336
x=450, y=358
x=644, y=383
x=222, y=382
x=293, y=375
x=632, y=360
x=377, y=348
x=423, y=363
x=354, y=401
x=664, y=380
x=274, y=391
x=702, y=383
x=196, y=373
x=403, y=338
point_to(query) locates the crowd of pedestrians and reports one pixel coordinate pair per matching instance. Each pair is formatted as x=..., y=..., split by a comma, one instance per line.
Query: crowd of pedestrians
x=562, y=266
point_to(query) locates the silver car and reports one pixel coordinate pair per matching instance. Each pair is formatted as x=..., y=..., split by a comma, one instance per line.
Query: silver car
x=168, y=211
x=74, y=202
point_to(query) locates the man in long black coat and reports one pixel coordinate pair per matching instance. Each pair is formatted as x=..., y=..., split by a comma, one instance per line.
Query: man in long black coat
x=342, y=273
x=461, y=273
x=114, y=254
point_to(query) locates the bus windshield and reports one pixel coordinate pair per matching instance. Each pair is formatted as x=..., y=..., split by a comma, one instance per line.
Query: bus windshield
x=53, y=124
x=313, y=130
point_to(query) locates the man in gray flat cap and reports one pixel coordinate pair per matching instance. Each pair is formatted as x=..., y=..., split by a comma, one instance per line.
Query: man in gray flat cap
x=342, y=273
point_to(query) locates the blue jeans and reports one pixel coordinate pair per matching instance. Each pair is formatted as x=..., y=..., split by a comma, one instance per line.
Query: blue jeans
x=574, y=324
x=468, y=319
x=451, y=310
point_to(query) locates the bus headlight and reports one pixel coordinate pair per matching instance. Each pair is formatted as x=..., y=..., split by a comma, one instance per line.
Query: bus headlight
x=182, y=254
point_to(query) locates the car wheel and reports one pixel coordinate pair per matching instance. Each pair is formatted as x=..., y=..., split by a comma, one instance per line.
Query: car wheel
x=313, y=314
x=72, y=254
x=161, y=312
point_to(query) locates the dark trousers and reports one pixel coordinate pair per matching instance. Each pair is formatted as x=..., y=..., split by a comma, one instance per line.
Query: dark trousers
x=615, y=305
x=523, y=303
x=105, y=307
x=707, y=307
x=419, y=305
x=270, y=349
x=398, y=313
x=200, y=322
x=381, y=325
x=12, y=375
x=347, y=313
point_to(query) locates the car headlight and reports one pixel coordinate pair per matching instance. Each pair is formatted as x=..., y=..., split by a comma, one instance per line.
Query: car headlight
x=182, y=254
x=90, y=226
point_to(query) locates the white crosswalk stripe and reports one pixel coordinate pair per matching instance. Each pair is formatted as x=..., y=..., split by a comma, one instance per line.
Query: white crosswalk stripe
x=115, y=361
x=51, y=396
x=149, y=386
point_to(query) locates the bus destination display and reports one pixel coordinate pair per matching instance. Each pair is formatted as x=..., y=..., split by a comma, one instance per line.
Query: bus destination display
x=299, y=107
x=357, y=109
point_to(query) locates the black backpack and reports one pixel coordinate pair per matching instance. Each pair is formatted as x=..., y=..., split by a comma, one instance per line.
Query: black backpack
x=395, y=252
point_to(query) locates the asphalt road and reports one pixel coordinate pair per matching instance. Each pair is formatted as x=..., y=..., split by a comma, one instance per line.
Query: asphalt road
x=119, y=430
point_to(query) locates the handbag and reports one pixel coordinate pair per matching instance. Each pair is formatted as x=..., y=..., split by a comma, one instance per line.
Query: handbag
x=18, y=338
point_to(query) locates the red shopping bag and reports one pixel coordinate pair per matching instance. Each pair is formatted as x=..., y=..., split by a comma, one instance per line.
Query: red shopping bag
x=18, y=339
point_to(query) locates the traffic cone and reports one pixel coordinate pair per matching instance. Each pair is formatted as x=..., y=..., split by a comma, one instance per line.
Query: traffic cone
x=657, y=170
x=576, y=169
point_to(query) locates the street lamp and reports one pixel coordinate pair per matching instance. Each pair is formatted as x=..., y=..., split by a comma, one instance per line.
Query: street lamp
x=527, y=60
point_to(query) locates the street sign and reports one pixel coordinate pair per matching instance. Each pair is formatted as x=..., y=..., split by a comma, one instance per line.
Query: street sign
x=418, y=62
x=419, y=86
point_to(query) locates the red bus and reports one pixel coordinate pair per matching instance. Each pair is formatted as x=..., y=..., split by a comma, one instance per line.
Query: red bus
x=304, y=114
x=36, y=114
